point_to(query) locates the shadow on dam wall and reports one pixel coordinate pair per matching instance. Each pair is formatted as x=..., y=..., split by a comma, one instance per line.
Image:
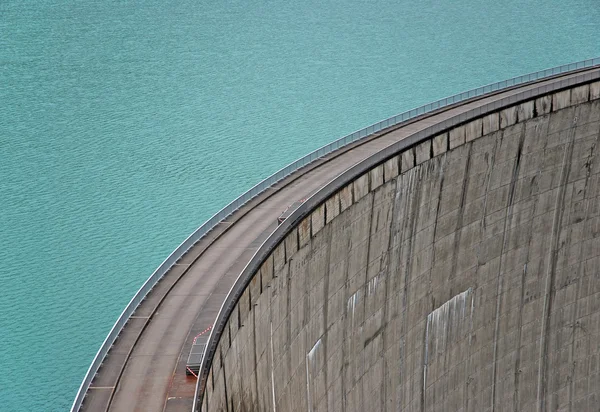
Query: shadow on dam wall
x=462, y=274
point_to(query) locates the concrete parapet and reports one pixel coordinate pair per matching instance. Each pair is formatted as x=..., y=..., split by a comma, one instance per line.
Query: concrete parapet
x=491, y=123
x=466, y=280
x=543, y=104
x=508, y=116
x=376, y=177
x=332, y=208
x=407, y=161
x=440, y=144
x=361, y=187
x=304, y=229
x=346, y=197
x=390, y=168
x=595, y=91
x=457, y=137
x=561, y=100
x=318, y=219
x=526, y=111
x=580, y=94
x=423, y=152
x=473, y=130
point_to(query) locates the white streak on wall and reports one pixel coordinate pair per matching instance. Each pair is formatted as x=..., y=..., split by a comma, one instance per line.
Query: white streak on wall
x=352, y=302
x=311, y=353
x=310, y=357
x=372, y=284
x=445, y=325
x=369, y=289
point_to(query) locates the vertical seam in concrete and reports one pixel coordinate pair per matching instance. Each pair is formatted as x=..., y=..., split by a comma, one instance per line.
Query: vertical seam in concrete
x=551, y=268
x=399, y=187
x=393, y=235
x=499, y=277
x=368, y=259
x=414, y=153
x=228, y=326
x=413, y=174
x=425, y=362
x=225, y=384
x=517, y=376
x=574, y=326
x=385, y=269
x=362, y=385
x=487, y=183
x=255, y=400
x=459, y=217
x=468, y=360
x=447, y=335
x=431, y=156
x=272, y=369
x=442, y=162
x=518, y=340
x=288, y=329
x=345, y=335
x=308, y=397
x=430, y=291
x=326, y=308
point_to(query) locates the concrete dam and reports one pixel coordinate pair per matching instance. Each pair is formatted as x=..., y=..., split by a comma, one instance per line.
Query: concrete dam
x=444, y=259
x=458, y=271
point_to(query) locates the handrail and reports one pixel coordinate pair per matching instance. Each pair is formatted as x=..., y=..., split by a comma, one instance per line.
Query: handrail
x=318, y=198
x=259, y=188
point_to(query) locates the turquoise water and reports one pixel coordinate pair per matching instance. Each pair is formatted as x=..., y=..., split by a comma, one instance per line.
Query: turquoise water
x=124, y=126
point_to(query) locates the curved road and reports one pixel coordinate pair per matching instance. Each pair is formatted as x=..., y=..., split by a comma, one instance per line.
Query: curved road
x=145, y=369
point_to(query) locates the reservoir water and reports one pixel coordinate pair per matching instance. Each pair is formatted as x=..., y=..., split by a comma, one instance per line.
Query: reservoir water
x=124, y=125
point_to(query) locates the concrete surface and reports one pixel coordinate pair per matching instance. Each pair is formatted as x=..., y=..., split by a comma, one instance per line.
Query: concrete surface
x=145, y=369
x=468, y=282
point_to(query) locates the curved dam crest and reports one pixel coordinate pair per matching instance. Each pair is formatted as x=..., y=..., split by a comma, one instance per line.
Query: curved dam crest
x=461, y=274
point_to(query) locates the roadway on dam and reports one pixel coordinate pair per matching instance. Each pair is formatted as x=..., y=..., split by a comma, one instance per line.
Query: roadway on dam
x=145, y=369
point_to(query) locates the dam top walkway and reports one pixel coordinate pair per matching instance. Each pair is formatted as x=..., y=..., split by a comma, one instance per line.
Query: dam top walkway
x=145, y=369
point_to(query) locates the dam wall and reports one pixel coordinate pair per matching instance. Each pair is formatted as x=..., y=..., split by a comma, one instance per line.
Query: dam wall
x=462, y=273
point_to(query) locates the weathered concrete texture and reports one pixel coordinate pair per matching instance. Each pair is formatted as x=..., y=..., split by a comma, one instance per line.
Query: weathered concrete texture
x=543, y=105
x=474, y=130
x=407, y=161
x=440, y=144
x=469, y=282
x=390, y=168
x=457, y=137
x=423, y=152
x=595, y=91
x=376, y=177
x=491, y=123
x=561, y=100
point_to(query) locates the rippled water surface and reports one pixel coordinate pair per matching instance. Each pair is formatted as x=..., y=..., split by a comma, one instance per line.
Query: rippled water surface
x=125, y=125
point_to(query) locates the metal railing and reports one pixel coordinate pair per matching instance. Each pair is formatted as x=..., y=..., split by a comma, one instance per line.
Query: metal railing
x=188, y=243
x=317, y=199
